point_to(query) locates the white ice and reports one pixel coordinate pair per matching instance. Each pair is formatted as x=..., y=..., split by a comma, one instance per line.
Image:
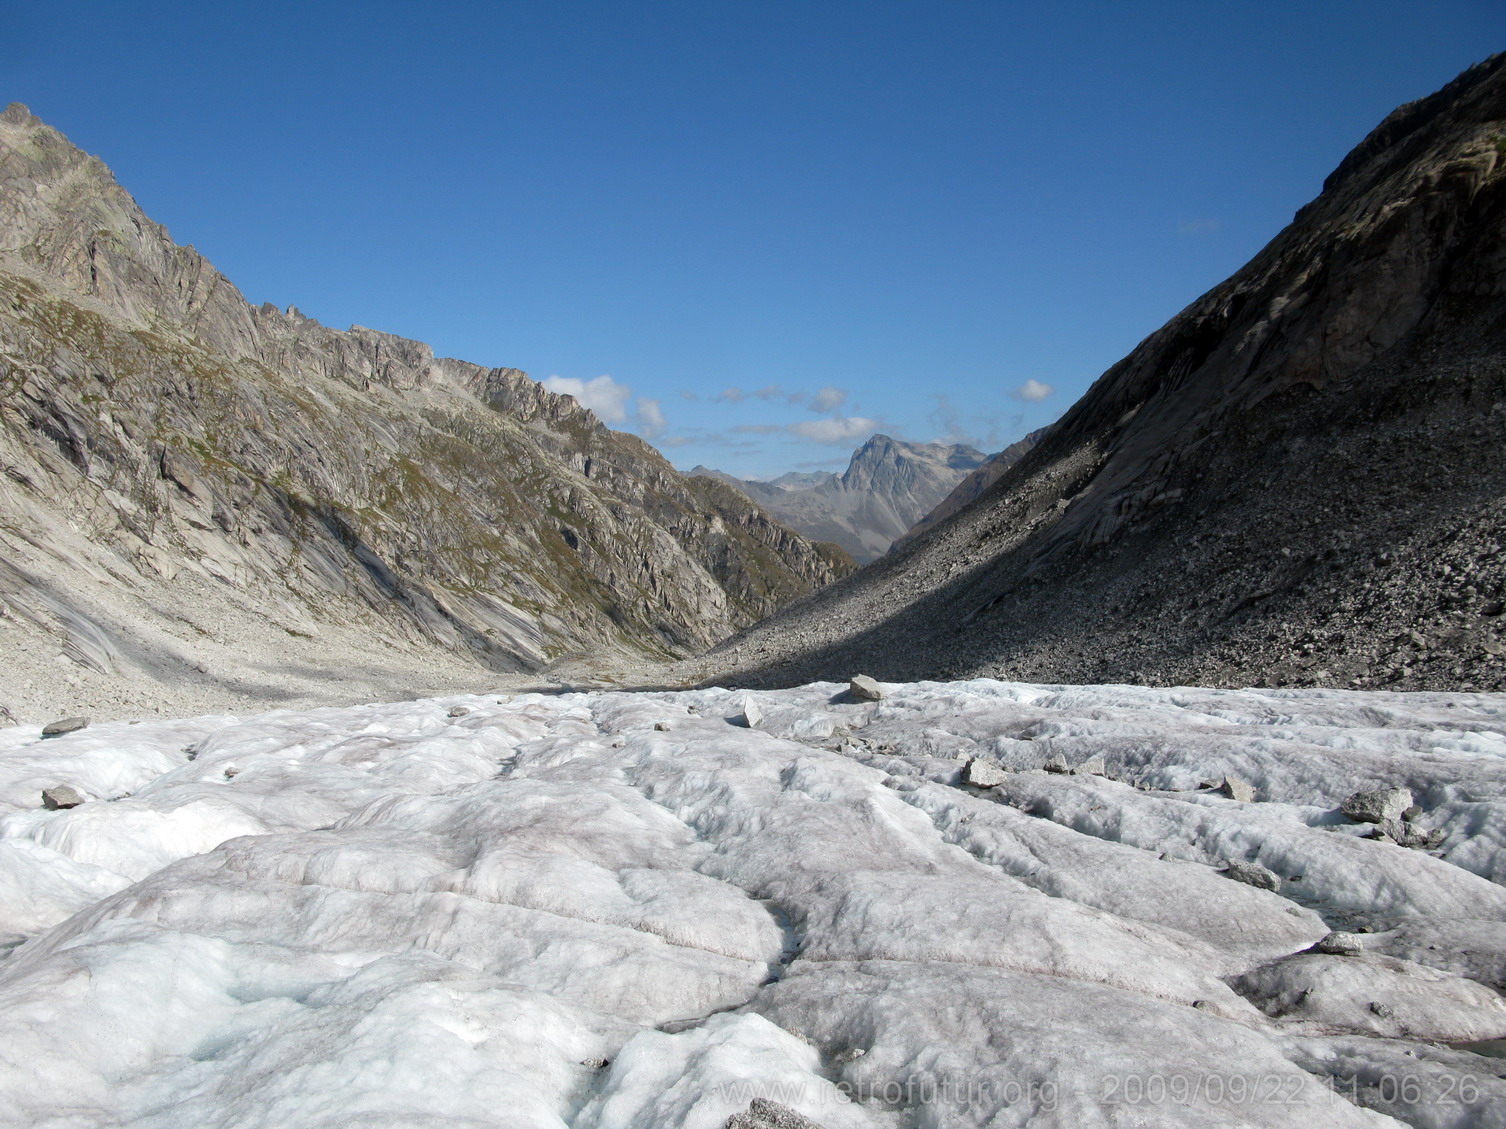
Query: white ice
x=629, y=911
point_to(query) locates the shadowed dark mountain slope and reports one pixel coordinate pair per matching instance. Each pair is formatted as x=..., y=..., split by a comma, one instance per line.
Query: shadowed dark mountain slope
x=1298, y=480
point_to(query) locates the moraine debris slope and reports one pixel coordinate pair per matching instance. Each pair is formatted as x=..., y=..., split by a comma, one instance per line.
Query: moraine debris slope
x=1297, y=480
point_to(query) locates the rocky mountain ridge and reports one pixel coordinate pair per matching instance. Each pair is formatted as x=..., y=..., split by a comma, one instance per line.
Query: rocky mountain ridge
x=201, y=491
x=889, y=485
x=1298, y=480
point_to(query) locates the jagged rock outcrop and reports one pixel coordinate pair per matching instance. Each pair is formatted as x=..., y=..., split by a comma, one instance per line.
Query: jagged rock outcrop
x=1298, y=480
x=194, y=487
x=887, y=486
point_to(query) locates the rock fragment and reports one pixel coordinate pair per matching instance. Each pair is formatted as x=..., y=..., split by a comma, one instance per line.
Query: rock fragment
x=60, y=796
x=661, y=726
x=64, y=725
x=459, y=711
x=1341, y=944
x=1057, y=763
x=764, y=1114
x=1253, y=874
x=1409, y=835
x=1237, y=789
x=752, y=716
x=1377, y=806
x=864, y=689
x=1093, y=766
x=984, y=774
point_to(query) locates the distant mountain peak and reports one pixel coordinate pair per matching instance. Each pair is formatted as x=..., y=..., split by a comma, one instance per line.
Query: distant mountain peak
x=888, y=485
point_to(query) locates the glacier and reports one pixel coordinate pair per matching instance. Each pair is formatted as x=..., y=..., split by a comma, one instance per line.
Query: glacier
x=630, y=910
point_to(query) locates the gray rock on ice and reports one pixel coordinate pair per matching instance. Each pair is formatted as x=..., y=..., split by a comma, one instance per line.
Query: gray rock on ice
x=1410, y=835
x=61, y=796
x=1253, y=874
x=765, y=1114
x=983, y=774
x=64, y=725
x=1341, y=944
x=1377, y=806
x=1237, y=789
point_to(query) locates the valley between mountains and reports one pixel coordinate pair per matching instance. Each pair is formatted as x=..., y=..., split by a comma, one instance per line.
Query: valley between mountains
x=396, y=746
x=208, y=503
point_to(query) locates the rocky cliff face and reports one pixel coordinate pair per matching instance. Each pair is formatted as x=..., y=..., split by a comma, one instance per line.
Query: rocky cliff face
x=191, y=482
x=888, y=485
x=1298, y=480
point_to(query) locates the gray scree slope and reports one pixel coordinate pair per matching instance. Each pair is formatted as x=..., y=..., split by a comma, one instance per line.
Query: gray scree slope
x=979, y=479
x=1298, y=480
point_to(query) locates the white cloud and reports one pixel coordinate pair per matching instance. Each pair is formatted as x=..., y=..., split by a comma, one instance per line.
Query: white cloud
x=603, y=395
x=651, y=421
x=1032, y=390
x=828, y=399
x=732, y=395
x=837, y=430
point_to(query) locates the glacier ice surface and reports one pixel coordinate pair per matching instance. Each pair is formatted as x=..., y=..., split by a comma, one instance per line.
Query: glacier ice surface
x=633, y=911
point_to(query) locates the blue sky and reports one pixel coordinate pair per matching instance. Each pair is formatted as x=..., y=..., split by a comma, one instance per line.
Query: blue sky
x=753, y=232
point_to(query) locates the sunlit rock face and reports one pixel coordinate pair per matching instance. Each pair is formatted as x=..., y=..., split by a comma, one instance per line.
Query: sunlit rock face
x=196, y=489
x=635, y=910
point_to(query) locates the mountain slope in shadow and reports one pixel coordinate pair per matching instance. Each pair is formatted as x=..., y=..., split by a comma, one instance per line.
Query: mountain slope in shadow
x=1298, y=480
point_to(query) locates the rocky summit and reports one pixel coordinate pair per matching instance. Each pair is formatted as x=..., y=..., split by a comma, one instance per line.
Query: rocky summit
x=888, y=486
x=202, y=493
x=1298, y=480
